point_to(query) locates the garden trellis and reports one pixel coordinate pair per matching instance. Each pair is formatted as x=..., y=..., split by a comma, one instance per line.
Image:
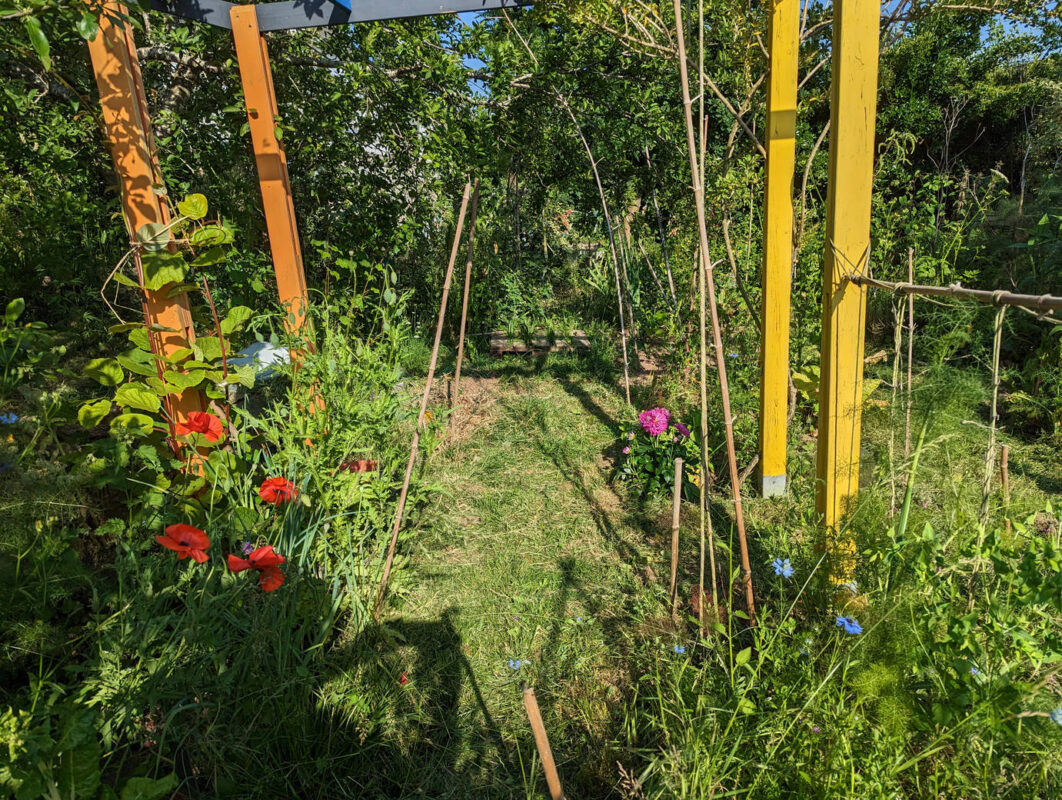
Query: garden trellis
x=856, y=30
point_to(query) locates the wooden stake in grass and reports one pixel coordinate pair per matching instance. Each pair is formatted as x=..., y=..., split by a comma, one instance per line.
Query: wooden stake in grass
x=1004, y=473
x=990, y=454
x=542, y=743
x=910, y=353
x=676, y=509
x=468, y=283
x=702, y=229
x=397, y=525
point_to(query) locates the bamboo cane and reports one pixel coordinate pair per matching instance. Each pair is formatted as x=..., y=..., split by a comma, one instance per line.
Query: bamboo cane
x=468, y=283
x=702, y=225
x=397, y=525
x=990, y=454
x=545, y=754
x=1004, y=471
x=910, y=353
x=676, y=510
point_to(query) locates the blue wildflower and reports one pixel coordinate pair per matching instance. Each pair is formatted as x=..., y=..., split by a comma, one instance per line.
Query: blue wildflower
x=975, y=671
x=1056, y=716
x=850, y=625
x=8, y=418
x=731, y=355
x=248, y=548
x=516, y=663
x=679, y=649
x=783, y=568
x=578, y=619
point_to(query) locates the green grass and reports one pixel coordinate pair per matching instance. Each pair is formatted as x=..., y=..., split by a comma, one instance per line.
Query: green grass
x=528, y=554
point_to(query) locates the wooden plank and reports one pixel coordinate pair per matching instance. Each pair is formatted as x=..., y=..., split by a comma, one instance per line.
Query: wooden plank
x=784, y=44
x=128, y=127
x=319, y=13
x=262, y=112
x=851, y=178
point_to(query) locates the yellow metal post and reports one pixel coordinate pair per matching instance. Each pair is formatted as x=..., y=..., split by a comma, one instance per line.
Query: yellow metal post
x=125, y=118
x=783, y=34
x=853, y=107
x=262, y=112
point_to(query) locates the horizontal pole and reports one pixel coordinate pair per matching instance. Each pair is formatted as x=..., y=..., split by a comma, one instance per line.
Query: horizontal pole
x=294, y=14
x=1042, y=302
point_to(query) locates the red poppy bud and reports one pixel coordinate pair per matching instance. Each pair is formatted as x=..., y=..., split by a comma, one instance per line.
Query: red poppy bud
x=404, y=679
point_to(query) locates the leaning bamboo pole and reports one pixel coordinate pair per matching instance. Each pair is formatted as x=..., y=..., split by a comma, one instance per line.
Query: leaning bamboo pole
x=397, y=525
x=676, y=512
x=464, y=296
x=545, y=753
x=702, y=229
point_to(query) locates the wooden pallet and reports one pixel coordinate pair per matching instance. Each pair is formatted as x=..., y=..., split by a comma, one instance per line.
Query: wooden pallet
x=502, y=344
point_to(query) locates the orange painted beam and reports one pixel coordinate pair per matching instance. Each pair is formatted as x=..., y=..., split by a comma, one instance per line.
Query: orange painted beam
x=261, y=103
x=128, y=127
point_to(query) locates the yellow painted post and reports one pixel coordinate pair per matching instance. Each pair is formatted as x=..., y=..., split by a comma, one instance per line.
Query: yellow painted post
x=853, y=106
x=783, y=33
x=262, y=112
x=128, y=127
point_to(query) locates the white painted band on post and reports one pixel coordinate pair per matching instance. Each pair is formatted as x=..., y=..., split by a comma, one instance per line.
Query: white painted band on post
x=772, y=485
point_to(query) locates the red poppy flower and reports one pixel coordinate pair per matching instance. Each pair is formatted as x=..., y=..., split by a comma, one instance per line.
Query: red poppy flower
x=201, y=422
x=271, y=579
x=361, y=465
x=185, y=540
x=404, y=679
x=277, y=491
x=265, y=560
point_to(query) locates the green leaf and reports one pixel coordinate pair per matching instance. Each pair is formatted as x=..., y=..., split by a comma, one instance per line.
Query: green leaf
x=137, y=395
x=149, y=788
x=215, y=255
x=125, y=280
x=181, y=288
x=138, y=362
x=38, y=40
x=210, y=235
x=162, y=267
x=194, y=206
x=125, y=327
x=105, y=370
x=154, y=236
x=91, y=414
x=743, y=657
x=235, y=318
x=209, y=346
x=14, y=310
x=88, y=26
x=136, y=424
x=139, y=337
x=183, y=380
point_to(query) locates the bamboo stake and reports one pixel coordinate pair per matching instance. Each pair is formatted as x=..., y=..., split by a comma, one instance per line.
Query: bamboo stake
x=468, y=283
x=397, y=525
x=545, y=754
x=1004, y=470
x=897, y=343
x=910, y=353
x=990, y=455
x=705, y=510
x=702, y=225
x=676, y=510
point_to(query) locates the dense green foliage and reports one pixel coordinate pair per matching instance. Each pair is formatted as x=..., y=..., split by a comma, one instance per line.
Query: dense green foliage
x=127, y=672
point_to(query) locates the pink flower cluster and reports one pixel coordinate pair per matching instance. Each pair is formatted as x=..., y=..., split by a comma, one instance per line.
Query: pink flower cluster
x=654, y=421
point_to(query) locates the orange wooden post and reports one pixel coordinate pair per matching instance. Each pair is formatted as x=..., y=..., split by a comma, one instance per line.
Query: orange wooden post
x=261, y=103
x=122, y=97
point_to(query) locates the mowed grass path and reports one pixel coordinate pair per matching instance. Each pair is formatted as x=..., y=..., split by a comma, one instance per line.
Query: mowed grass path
x=527, y=555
